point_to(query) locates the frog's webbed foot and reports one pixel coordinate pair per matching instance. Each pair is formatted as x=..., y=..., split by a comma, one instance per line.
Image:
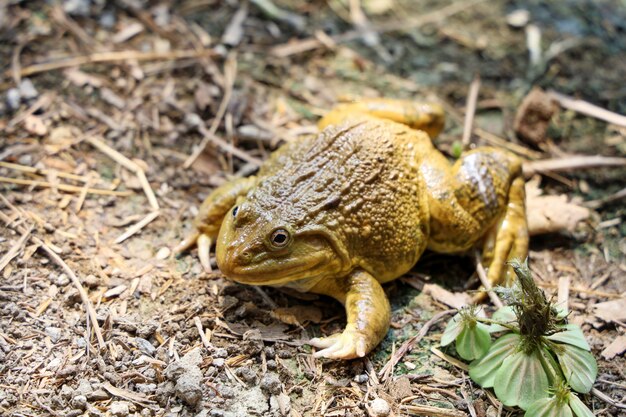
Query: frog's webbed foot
x=203, y=241
x=348, y=344
x=507, y=240
x=368, y=316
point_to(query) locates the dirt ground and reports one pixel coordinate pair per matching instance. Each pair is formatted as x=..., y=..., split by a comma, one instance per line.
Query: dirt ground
x=107, y=100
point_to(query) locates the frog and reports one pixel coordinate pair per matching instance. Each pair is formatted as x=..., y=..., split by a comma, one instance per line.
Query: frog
x=347, y=210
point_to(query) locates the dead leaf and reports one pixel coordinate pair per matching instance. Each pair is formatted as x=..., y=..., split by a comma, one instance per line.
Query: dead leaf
x=616, y=347
x=533, y=116
x=451, y=299
x=298, y=315
x=127, y=395
x=610, y=311
x=551, y=213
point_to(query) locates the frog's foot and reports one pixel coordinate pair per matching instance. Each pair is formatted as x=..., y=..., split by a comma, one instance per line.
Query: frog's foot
x=349, y=344
x=506, y=241
x=203, y=241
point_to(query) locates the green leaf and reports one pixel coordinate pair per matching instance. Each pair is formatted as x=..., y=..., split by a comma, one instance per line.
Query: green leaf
x=572, y=335
x=483, y=370
x=548, y=407
x=505, y=315
x=473, y=341
x=521, y=380
x=454, y=327
x=577, y=406
x=579, y=367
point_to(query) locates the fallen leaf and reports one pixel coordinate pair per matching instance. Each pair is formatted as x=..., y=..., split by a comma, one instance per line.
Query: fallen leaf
x=533, y=116
x=451, y=299
x=551, y=213
x=616, y=347
x=610, y=311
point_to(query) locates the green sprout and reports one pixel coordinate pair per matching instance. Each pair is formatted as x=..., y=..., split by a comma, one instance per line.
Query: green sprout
x=538, y=358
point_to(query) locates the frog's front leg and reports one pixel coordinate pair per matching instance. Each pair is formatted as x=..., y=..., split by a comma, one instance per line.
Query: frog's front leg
x=368, y=316
x=208, y=221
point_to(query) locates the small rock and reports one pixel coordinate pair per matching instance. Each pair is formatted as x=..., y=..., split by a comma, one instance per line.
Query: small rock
x=61, y=280
x=13, y=99
x=77, y=7
x=163, y=253
x=66, y=391
x=188, y=377
x=119, y=408
x=271, y=364
x=55, y=333
x=91, y=281
x=361, y=379
x=79, y=401
x=518, y=18
x=98, y=395
x=28, y=90
x=84, y=388
x=219, y=362
x=192, y=121
x=380, y=408
x=216, y=413
x=145, y=346
x=220, y=353
x=107, y=19
x=247, y=374
x=146, y=388
x=271, y=384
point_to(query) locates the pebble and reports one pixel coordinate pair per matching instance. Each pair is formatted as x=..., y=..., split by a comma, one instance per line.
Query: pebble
x=119, y=408
x=361, y=379
x=163, y=253
x=270, y=383
x=77, y=7
x=79, y=401
x=380, y=408
x=28, y=90
x=219, y=362
x=220, y=353
x=55, y=333
x=145, y=346
x=107, y=19
x=13, y=99
x=98, y=395
x=84, y=388
x=518, y=18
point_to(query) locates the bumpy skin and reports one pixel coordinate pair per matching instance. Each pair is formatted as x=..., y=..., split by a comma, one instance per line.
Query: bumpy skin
x=340, y=213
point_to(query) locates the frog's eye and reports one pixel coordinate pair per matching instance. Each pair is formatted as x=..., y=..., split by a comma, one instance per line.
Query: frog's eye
x=280, y=238
x=235, y=210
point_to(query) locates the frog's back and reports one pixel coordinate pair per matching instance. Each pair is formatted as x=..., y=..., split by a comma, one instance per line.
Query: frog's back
x=360, y=182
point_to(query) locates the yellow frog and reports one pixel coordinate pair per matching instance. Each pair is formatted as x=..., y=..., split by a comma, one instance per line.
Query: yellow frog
x=355, y=206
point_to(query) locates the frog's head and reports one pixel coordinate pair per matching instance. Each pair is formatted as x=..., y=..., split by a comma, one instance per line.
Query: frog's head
x=262, y=246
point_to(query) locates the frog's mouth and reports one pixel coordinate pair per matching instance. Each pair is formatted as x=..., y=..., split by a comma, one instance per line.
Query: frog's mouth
x=275, y=271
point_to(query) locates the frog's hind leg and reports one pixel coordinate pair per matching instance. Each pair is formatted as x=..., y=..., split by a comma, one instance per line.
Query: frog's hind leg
x=507, y=239
x=428, y=117
x=207, y=223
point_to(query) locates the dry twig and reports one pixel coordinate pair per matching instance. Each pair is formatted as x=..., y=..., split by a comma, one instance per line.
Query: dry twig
x=65, y=187
x=588, y=109
x=112, y=56
x=571, y=163
x=482, y=275
x=470, y=110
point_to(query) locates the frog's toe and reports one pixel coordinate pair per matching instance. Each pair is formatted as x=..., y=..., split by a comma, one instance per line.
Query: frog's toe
x=346, y=345
x=204, y=246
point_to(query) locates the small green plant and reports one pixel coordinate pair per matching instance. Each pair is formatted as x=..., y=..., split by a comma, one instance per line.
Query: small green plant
x=536, y=361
